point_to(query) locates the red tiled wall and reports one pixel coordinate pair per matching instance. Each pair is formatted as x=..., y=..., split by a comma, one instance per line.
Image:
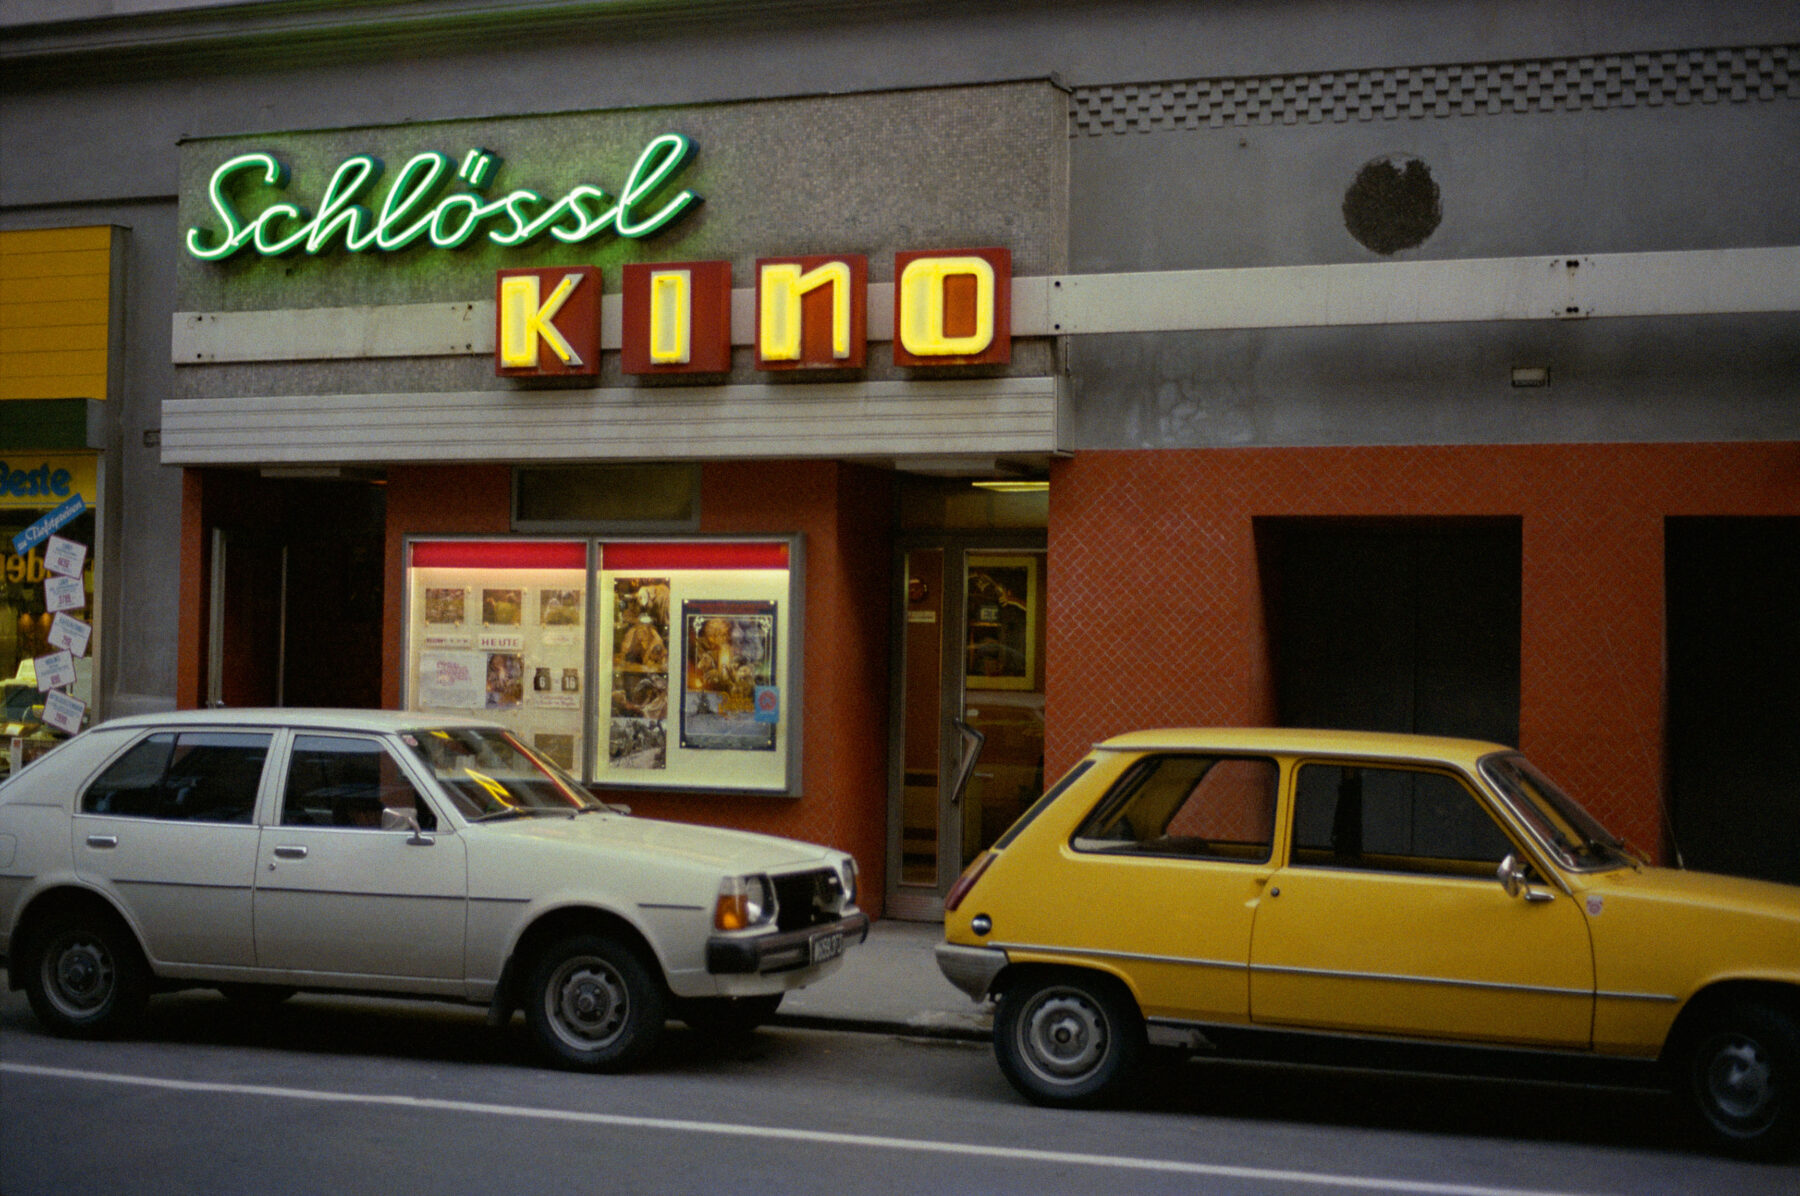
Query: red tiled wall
x=1155, y=603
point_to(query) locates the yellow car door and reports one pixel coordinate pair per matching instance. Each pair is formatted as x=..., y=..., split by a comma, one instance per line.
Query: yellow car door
x=1388, y=918
x=1170, y=865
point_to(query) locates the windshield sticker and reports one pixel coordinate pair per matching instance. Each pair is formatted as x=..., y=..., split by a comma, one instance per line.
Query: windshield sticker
x=1595, y=905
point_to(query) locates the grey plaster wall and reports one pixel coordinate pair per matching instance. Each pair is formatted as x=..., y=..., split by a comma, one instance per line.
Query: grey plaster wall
x=1671, y=168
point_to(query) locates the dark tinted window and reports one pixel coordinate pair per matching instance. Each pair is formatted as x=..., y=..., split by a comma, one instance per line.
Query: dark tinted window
x=1392, y=819
x=1198, y=807
x=195, y=776
x=343, y=780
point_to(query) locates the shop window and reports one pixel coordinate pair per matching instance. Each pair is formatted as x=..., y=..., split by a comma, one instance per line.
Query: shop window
x=639, y=663
x=628, y=498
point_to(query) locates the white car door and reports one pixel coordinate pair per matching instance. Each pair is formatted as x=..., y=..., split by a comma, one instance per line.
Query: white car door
x=168, y=827
x=344, y=900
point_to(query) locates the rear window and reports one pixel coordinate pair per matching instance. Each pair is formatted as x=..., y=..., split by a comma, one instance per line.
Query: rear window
x=193, y=776
x=1189, y=807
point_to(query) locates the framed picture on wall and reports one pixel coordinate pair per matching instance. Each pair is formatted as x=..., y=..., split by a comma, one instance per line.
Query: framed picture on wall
x=1001, y=629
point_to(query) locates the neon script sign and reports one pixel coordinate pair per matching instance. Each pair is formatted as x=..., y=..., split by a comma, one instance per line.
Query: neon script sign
x=415, y=208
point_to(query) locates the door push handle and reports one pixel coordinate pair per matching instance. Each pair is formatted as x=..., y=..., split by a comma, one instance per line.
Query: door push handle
x=290, y=853
x=103, y=840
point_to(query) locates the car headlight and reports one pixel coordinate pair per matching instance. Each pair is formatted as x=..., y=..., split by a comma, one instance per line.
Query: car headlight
x=848, y=874
x=744, y=902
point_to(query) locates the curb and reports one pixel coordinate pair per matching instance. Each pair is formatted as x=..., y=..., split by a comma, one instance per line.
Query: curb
x=949, y=1027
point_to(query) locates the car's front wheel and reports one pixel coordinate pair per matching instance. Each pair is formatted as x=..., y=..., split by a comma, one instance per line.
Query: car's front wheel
x=88, y=979
x=1743, y=1080
x=1068, y=1038
x=593, y=1003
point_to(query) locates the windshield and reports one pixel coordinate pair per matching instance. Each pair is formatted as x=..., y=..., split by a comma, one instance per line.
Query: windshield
x=1578, y=841
x=488, y=773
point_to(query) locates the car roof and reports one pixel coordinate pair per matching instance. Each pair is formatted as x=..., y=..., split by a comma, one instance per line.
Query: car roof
x=1298, y=741
x=314, y=718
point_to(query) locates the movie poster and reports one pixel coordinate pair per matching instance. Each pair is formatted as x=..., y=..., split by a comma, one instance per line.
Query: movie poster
x=637, y=735
x=729, y=682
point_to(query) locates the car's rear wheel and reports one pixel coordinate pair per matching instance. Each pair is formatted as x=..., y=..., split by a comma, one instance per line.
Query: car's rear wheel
x=727, y=1017
x=1743, y=1080
x=593, y=1003
x=88, y=979
x=1068, y=1038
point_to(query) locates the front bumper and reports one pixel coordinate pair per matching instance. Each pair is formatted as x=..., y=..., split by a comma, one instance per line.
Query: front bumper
x=765, y=953
x=971, y=969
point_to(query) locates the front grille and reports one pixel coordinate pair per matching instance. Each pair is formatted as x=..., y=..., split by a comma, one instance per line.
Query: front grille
x=808, y=899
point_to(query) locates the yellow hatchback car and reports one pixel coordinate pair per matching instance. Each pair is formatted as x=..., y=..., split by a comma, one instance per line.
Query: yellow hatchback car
x=1187, y=887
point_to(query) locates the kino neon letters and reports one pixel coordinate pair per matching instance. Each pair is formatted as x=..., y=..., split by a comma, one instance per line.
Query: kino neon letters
x=951, y=307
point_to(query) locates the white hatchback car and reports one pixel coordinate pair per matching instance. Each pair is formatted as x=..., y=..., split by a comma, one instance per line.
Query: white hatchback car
x=263, y=852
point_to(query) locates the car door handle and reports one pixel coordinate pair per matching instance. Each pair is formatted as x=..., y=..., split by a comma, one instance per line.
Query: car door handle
x=290, y=853
x=103, y=840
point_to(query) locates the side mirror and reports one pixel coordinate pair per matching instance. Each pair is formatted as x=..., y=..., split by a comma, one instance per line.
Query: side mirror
x=405, y=820
x=1513, y=878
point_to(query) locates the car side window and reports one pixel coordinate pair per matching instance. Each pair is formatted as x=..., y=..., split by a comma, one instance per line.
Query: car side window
x=194, y=776
x=347, y=781
x=1393, y=820
x=1190, y=807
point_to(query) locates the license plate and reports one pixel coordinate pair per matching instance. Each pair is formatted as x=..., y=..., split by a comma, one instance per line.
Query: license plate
x=827, y=946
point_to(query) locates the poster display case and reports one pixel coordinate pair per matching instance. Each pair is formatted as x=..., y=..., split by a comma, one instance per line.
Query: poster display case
x=497, y=628
x=664, y=664
x=701, y=660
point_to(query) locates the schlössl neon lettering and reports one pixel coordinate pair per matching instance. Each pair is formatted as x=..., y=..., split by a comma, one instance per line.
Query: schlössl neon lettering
x=414, y=207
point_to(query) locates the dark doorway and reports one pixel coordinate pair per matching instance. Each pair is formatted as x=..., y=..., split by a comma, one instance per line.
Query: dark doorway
x=1395, y=625
x=298, y=578
x=1733, y=588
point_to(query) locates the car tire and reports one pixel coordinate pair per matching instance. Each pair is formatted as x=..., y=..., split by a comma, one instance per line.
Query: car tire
x=1743, y=1080
x=593, y=1003
x=727, y=1017
x=1068, y=1038
x=86, y=977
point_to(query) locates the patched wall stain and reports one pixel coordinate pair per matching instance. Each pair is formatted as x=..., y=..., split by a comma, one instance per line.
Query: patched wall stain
x=1393, y=204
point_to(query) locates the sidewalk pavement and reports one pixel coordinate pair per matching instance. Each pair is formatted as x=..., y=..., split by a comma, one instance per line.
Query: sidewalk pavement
x=890, y=984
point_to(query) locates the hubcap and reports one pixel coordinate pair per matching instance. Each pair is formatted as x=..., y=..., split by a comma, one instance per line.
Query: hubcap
x=587, y=1003
x=1739, y=1080
x=1064, y=1036
x=79, y=976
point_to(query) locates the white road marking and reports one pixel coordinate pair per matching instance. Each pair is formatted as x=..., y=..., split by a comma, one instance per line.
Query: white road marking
x=776, y=1133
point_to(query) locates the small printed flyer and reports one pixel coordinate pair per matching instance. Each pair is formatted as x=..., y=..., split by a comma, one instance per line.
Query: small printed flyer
x=63, y=712
x=64, y=557
x=64, y=593
x=66, y=631
x=55, y=671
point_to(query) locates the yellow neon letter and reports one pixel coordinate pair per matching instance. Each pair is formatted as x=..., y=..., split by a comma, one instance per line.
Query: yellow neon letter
x=782, y=286
x=922, y=306
x=524, y=321
x=671, y=316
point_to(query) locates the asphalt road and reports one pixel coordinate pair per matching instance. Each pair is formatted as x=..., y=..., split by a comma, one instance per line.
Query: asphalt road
x=342, y=1096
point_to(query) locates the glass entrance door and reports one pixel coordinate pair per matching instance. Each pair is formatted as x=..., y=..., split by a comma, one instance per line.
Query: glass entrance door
x=971, y=643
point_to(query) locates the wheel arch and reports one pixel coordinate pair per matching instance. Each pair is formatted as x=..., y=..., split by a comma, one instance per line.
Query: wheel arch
x=1014, y=974
x=1715, y=998
x=40, y=911
x=553, y=924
